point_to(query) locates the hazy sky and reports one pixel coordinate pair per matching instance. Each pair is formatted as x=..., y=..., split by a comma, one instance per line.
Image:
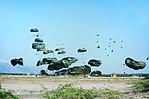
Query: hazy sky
x=75, y=23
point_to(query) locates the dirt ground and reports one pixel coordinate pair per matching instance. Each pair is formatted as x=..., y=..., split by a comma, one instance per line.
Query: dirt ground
x=32, y=87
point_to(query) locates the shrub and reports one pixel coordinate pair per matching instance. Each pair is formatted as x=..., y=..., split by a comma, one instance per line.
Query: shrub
x=142, y=86
x=69, y=92
x=6, y=94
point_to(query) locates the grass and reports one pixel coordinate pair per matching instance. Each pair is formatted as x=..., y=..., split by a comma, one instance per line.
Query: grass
x=6, y=94
x=69, y=92
x=142, y=86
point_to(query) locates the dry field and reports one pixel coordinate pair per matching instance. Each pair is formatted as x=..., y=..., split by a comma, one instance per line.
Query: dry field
x=32, y=87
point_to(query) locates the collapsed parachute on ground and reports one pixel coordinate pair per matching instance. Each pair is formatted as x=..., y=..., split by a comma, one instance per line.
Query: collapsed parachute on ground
x=79, y=70
x=131, y=63
x=96, y=73
x=34, y=30
x=82, y=50
x=17, y=61
x=94, y=62
x=63, y=63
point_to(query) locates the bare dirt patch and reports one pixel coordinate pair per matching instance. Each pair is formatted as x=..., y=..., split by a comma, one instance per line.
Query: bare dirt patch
x=32, y=87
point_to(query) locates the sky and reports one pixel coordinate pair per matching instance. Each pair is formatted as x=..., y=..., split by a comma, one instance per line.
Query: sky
x=74, y=24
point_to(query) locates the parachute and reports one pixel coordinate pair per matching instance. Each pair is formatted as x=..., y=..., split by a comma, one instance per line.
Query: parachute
x=34, y=30
x=39, y=63
x=41, y=49
x=94, y=62
x=38, y=40
x=43, y=72
x=47, y=61
x=96, y=73
x=61, y=72
x=61, y=52
x=38, y=44
x=58, y=65
x=54, y=67
x=133, y=64
x=48, y=51
x=17, y=61
x=50, y=60
x=59, y=49
x=82, y=50
x=79, y=70
x=69, y=60
x=63, y=63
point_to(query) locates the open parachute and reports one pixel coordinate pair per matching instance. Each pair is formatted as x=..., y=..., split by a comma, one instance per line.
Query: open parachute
x=133, y=64
x=17, y=61
x=55, y=64
x=48, y=51
x=96, y=73
x=94, y=62
x=60, y=50
x=38, y=44
x=63, y=63
x=80, y=50
x=34, y=30
x=79, y=70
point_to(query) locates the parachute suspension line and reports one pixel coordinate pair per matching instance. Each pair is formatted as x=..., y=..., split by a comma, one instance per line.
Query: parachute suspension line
x=82, y=59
